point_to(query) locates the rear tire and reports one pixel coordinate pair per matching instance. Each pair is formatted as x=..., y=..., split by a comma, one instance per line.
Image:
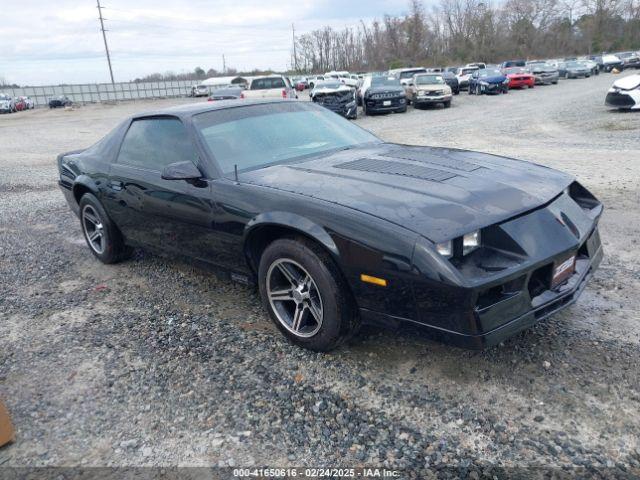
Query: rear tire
x=296, y=275
x=101, y=234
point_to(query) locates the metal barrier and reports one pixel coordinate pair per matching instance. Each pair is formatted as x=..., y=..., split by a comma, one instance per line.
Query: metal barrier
x=103, y=92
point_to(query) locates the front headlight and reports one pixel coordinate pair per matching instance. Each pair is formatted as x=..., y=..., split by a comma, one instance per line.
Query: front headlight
x=460, y=246
x=470, y=242
x=506, y=81
x=445, y=248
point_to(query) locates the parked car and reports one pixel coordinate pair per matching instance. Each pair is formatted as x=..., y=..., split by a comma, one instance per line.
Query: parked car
x=543, y=72
x=60, y=101
x=405, y=74
x=629, y=59
x=7, y=104
x=560, y=66
x=452, y=81
x=591, y=65
x=577, y=69
x=336, y=227
x=486, y=81
x=383, y=93
x=199, y=91
x=23, y=103
x=314, y=80
x=610, y=62
x=464, y=75
x=478, y=65
x=624, y=94
x=300, y=84
x=519, y=77
x=430, y=89
x=337, y=97
x=342, y=77
x=228, y=93
x=512, y=63
x=269, y=86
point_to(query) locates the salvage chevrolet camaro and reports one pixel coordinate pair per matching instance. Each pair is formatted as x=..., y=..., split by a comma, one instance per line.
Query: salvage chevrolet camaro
x=335, y=226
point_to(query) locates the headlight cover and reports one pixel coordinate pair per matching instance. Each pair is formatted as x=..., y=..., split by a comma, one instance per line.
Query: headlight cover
x=460, y=246
x=445, y=248
x=470, y=242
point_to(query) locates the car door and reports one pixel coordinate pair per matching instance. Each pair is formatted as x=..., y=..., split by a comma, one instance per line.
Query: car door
x=171, y=215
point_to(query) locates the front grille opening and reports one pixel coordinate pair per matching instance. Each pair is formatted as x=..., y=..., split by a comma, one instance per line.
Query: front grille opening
x=540, y=280
x=500, y=292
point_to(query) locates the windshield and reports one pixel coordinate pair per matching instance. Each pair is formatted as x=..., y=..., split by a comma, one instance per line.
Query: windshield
x=410, y=73
x=515, y=70
x=429, y=79
x=385, y=81
x=489, y=73
x=257, y=136
x=574, y=64
x=467, y=71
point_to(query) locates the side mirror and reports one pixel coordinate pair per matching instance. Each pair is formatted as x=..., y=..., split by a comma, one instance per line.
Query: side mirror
x=181, y=171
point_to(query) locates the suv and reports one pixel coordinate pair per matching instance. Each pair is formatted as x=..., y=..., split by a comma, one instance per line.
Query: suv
x=430, y=89
x=271, y=86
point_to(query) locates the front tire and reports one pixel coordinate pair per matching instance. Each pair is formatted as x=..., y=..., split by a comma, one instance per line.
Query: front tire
x=305, y=295
x=101, y=234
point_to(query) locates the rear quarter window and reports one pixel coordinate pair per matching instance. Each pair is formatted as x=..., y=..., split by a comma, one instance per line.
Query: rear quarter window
x=154, y=143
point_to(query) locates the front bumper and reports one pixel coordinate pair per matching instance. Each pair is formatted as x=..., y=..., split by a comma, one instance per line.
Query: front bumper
x=494, y=88
x=348, y=110
x=431, y=100
x=545, y=79
x=386, y=104
x=621, y=99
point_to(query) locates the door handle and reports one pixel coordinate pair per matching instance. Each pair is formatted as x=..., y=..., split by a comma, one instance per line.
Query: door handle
x=116, y=185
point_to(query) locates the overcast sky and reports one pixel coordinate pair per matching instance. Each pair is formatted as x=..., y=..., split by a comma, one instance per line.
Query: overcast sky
x=59, y=41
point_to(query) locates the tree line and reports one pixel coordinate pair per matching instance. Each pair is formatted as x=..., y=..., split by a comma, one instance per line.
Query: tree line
x=460, y=31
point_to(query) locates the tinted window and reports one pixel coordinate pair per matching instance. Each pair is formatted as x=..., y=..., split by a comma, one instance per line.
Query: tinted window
x=155, y=143
x=267, y=83
x=385, y=81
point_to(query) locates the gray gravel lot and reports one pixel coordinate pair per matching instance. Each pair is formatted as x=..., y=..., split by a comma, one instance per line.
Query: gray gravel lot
x=152, y=362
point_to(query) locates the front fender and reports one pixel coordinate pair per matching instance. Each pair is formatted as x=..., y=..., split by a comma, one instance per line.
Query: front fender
x=294, y=222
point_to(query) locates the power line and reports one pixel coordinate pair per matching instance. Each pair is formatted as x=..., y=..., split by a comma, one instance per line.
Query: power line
x=104, y=37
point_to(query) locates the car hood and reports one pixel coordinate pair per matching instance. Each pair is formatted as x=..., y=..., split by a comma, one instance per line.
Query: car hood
x=431, y=86
x=628, y=83
x=496, y=79
x=439, y=193
x=399, y=89
x=329, y=90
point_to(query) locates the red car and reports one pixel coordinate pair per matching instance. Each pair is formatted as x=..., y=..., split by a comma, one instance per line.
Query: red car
x=519, y=77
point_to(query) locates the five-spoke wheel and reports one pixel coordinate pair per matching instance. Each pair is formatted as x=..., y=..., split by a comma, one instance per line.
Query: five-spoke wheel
x=93, y=229
x=305, y=294
x=294, y=297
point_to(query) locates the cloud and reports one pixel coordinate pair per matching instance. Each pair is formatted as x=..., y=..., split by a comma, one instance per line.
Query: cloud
x=60, y=42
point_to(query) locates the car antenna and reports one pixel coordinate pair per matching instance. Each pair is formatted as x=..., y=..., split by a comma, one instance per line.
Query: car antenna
x=235, y=171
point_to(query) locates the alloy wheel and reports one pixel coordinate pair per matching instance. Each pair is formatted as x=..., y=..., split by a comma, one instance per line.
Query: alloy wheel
x=93, y=229
x=294, y=298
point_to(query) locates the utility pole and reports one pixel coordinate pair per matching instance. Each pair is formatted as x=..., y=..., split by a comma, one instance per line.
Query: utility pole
x=104, y=37
x=295, y=57
x=224, y=65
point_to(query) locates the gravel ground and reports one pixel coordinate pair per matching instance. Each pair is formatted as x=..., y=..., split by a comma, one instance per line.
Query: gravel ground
x=152, y=362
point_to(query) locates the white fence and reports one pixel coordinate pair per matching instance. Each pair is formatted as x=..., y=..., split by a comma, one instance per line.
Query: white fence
x=103, y=92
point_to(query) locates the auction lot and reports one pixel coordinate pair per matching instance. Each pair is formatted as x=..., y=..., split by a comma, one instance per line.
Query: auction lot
x=152, y=362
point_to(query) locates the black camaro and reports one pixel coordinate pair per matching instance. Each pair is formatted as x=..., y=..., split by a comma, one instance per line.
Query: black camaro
x=335, y=226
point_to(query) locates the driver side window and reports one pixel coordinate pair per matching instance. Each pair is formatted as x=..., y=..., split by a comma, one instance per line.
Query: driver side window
x=154, y=143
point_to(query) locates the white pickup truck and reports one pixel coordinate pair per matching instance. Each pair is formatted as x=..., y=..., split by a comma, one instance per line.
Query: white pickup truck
x=273, y=86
